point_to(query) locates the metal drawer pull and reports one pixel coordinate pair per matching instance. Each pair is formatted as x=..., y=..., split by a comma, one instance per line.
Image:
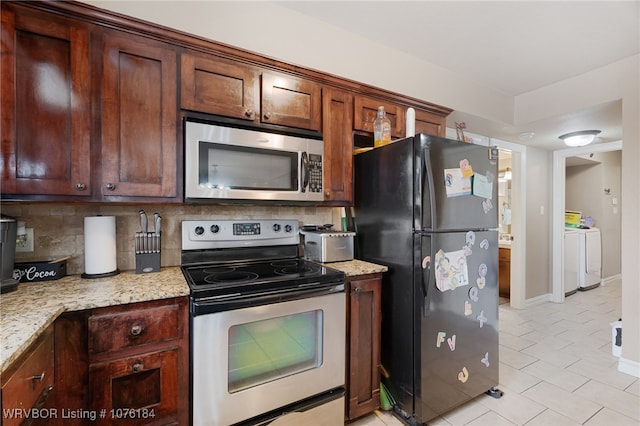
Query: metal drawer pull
x=137, y=367
x=39, y=377
x=136, y=330
x=80, y=186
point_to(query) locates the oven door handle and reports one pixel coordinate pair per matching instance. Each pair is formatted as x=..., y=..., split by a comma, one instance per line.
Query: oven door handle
x=240, y=300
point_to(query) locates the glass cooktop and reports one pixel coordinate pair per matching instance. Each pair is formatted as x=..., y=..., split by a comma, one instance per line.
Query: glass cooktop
x=233, y=277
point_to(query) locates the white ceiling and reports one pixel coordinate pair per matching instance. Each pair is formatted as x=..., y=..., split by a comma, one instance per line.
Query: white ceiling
x=512, y=46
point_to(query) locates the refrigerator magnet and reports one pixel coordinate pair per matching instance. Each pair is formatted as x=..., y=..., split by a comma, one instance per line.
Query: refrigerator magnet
x=466, y=169
x=451, y=270
x=467, y=308
x=456, y=185
x=470, y=238
x=463, y=376
x=485, y=360
x=451, y=341
x=481, y=318
x=487, y=205
x=473, y=294
x=484, y=244
x=482, y=187
x=440, y=338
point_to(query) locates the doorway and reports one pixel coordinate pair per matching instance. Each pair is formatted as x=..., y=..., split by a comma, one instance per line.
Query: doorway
x=516, y=230
x=559, y=196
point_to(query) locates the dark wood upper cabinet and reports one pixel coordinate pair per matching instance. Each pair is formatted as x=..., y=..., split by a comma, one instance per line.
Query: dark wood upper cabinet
x=290, y=101
x=366, y=111
x=430, y=124
x=46, y=104
x=139, y=114
x=217, y=86
x=228, y=88
x=92, y=101
x=337, y=122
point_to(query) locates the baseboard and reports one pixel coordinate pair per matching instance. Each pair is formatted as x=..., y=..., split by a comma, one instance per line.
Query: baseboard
x=538, y=300
x=629, y=367
x=607, y=280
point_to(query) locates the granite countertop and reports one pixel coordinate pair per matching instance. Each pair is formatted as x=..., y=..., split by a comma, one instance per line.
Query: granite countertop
x=28, y=311
x=357, y=267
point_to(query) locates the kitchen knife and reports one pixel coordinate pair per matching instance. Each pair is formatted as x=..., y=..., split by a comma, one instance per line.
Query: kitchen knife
x=157, y=220
x=143, y=222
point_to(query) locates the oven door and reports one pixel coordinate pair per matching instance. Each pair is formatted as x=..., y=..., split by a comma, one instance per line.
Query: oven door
x=230, y=163
x=250, y=361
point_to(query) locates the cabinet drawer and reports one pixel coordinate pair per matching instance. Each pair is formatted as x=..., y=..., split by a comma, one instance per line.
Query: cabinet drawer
x=114, y=331
x=29, y=380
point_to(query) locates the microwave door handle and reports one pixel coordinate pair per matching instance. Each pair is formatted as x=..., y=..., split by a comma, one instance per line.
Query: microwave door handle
x=304, y=164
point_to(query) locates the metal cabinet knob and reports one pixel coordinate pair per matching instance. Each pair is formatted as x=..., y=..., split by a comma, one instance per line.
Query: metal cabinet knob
x=136, y=330
x=80, y=186
x=249, y=113
x=267, y=115
x=110, y=186
x=39, y=377
x=137, y=367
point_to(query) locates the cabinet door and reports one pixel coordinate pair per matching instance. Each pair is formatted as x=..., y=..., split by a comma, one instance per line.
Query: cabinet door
x=26, y=384
x=290, y=101
x=430, y=124
x=217, y=86
x=46, y=112
x=366, y=111
x=337, y=122
x=140, y=389
x=139, y=101
x=364, y=314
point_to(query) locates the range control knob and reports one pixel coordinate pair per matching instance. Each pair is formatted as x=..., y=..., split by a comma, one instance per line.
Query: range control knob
x=276, y=227
x=199, y=230
x=288, y=228
x=215, y=229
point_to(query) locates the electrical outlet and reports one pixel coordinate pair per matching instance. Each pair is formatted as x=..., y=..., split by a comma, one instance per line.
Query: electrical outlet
x=27, y=245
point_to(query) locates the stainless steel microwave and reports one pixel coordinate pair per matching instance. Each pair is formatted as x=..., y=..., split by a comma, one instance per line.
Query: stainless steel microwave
x=228, y=163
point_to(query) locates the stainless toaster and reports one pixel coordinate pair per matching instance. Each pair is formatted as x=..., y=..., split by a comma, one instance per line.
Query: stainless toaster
x=328, y=246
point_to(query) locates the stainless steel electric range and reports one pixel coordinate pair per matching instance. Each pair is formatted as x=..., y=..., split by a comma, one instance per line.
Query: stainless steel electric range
x=267, y=327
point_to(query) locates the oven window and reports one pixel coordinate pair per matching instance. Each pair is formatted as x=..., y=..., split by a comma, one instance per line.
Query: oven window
x=270, y=349
x=234, y=167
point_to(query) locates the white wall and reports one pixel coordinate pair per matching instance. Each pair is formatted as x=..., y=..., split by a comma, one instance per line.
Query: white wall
x=538, y=228
x=585, y=192
x=294, y=38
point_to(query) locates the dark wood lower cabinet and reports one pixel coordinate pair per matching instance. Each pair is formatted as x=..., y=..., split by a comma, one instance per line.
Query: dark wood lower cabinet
x=125, y=383
x=363, y=345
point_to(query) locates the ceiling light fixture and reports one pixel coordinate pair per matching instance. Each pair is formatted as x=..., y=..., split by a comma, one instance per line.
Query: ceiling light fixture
x=581, y=138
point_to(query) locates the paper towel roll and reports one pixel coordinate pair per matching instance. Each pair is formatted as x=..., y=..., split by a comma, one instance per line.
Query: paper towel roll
x=100, y=258
x=411, y=122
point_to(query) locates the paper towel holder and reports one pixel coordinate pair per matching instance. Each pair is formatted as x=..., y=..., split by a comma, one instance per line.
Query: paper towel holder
x=100, y=231
x=103, y=275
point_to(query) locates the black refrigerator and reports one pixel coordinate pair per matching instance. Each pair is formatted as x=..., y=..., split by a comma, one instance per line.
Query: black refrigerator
x=426, y=207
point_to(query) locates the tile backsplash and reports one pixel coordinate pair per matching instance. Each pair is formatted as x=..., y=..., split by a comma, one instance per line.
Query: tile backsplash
x=59, y=228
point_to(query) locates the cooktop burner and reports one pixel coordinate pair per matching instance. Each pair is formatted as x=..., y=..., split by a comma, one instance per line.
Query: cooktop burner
x=251, y=273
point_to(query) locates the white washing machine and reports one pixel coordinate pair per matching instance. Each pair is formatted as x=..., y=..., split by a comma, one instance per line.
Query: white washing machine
x=590, y=257
x=571, y=261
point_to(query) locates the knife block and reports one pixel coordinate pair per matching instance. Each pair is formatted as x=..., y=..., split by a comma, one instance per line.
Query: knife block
x=147, y=262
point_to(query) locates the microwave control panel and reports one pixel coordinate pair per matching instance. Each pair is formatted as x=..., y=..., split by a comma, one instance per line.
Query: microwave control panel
x=315, y=173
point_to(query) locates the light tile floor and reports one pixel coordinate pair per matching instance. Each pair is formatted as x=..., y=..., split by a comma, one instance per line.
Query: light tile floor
x=556, y=369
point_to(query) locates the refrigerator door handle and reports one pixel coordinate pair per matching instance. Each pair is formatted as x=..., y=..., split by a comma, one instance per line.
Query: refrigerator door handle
x=426, y=275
